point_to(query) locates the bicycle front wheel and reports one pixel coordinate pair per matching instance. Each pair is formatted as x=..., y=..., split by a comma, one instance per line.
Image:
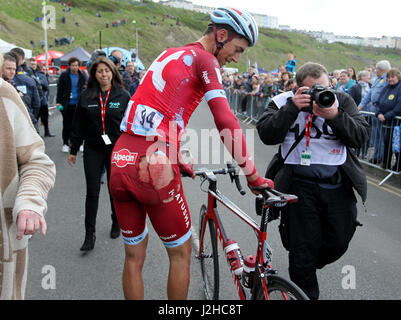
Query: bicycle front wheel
x=279, y=288
x=209, y=259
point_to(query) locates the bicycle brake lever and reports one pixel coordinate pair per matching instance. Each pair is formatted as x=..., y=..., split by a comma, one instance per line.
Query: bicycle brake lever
x=234, y=176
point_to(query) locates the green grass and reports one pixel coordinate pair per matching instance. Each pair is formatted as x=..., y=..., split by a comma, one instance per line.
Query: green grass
x=17, y=25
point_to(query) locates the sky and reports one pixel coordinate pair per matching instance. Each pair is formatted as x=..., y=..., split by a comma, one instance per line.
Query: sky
x=364, y=18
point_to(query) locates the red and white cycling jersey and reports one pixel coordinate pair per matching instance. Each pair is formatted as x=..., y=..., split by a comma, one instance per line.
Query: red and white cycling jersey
x=171, y=90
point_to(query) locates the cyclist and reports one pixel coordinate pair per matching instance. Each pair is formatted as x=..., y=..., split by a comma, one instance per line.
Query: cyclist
x=145, y=176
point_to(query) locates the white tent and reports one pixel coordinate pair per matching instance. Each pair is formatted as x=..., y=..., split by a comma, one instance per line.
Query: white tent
x=5, y=47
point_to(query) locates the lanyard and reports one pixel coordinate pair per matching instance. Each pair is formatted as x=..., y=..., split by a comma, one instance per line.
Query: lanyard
x=308, y=129
x=103, y=109
x=75, y=80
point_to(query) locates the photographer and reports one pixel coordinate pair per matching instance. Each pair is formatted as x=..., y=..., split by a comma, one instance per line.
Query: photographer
x=319, y=168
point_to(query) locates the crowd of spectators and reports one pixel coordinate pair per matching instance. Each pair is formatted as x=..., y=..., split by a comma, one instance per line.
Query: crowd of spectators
x=376, y=94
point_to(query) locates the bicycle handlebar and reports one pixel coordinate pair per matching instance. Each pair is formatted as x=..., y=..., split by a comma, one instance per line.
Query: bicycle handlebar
x=231, y=169
x=271, y=196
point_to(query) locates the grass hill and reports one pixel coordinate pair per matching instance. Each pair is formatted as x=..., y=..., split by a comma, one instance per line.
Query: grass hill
x=158, y=29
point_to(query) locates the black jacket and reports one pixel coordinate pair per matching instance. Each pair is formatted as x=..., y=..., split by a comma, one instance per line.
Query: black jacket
x=64, y=87
x=87, y=123
x=356, y=93
x=349, y=126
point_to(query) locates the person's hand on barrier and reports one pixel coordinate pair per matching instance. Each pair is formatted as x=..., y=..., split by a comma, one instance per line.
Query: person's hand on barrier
x=381, y=117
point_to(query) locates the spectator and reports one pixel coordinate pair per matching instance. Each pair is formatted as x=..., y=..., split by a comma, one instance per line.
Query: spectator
x=275, y=87
x=118, y=58
x=21, y=65
x=238, y=83
x=248, y=88
x=255, y=87
x=358, y=92
x=370, y=102
x=388, y=107
x=336, y=75
x=26, y=174
x=291, y=84
x=372, y=73
x=227, y=83
x=267, y=87
x=333, y=82
x=291, y=63
x=130, y=77
x=352, y=72
x=69, y=87
x=24, y=85
x=284, y=78
x=321, y=224
x=361, y=89
x=346, y=83
x=99, y=127
x=24, y=70
x=44, y=107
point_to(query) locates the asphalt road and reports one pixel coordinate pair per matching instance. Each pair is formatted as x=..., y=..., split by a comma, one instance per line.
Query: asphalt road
x=370, y=269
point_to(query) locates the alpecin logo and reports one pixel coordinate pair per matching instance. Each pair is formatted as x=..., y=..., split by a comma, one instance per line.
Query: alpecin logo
x=123, y=158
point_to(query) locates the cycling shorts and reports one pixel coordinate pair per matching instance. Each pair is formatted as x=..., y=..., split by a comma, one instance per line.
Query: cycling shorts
x=135, y=198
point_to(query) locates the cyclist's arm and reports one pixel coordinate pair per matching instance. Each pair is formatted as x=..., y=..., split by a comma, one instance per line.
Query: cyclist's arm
x=234, y=139
x=207, y=69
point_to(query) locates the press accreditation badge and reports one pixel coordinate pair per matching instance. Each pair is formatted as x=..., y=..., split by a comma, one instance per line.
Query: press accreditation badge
x=106, y=139
x=306, y=157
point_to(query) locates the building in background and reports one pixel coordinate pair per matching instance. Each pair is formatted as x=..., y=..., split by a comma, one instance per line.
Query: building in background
x=265, y=21
x=262, y=20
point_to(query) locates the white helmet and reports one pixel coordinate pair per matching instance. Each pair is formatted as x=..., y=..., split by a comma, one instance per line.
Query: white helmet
x=241, y=21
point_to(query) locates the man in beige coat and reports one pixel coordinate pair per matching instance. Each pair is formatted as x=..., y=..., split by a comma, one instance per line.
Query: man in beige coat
x=26, y=176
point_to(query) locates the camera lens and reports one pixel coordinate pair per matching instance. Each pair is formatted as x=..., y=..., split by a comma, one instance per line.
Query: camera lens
x=326, y=99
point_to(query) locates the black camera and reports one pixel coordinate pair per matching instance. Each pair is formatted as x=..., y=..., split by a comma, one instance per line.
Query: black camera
x=323, y=96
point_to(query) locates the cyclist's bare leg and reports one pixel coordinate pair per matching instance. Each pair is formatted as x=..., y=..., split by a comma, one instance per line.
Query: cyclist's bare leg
x=157, y=170
x=132, y=274
x=178, y=277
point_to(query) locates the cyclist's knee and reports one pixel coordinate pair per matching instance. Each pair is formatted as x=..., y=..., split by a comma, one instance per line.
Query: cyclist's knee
x=136, y=254
x=181, y=253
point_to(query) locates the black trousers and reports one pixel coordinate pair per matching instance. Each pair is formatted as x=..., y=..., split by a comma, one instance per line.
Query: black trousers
x=68, y=117
x=320, y=227
x=44, y=117
x=95, y=159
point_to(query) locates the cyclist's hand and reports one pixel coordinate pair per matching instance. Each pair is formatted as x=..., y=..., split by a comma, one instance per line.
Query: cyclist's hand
x=259, y=182
x=186, y=169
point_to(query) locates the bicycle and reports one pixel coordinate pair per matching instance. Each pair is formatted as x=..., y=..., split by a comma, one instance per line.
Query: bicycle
x=264, y=283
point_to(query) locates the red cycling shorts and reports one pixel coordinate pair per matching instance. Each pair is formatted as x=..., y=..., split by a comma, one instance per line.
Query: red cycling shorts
x=137, y=192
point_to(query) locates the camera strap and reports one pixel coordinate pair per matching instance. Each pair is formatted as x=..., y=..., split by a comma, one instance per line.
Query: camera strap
x=298, y=140
x=308, y=128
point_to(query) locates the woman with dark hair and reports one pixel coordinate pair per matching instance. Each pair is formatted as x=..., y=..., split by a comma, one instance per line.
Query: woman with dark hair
x=352, y=73
x=97, y=119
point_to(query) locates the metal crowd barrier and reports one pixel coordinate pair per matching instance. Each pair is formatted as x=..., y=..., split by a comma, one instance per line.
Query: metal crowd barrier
x=377, y=152
x=52, y=96
x=248, y=107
